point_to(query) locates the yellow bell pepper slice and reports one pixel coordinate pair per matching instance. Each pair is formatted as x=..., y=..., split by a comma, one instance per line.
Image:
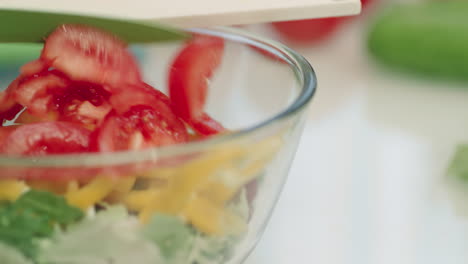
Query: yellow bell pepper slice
x=10, y=190
x=91, y=193
x=141, y=199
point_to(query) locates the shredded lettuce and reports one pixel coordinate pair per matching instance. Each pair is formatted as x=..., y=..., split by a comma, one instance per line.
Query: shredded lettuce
x=211, y=250
x=173, y=237
x=110, y=237
x=180, y=243
x=44, y=228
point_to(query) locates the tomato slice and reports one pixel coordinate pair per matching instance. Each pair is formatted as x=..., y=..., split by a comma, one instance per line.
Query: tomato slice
x=142, y=94
x=190, y=72
x=33, y=92
x=366, y=3
x=50, y=95
x=312, y=31
x=34, y=67
x=11, y=113
x=8, y=106
x=82, y=102
x=207, y=126
x=46, y=138
x=308, y=31
x=5, y=132
x=141, y=127
x=91, y=55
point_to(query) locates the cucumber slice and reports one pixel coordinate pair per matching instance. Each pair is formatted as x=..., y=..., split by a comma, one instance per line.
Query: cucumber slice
x=430, y=38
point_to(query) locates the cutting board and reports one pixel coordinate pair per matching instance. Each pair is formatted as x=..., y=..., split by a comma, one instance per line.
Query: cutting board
x=200, y=13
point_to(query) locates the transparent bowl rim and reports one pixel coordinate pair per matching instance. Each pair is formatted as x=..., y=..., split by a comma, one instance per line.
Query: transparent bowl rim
x=297, y=62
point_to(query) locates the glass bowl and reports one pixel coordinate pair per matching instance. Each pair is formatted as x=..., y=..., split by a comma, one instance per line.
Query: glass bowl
x=202, y=202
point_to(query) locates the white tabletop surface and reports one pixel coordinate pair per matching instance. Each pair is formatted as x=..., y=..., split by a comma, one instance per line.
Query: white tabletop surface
x=366, y=185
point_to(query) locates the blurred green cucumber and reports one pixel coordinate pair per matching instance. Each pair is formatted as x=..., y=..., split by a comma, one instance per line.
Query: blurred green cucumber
x=429, y=38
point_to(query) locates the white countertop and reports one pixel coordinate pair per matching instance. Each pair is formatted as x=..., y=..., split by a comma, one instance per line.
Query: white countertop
x=366, y=185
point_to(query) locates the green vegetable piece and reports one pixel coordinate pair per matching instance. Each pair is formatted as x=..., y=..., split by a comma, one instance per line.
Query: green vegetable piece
x=49, y=205
x=33, y=216
x=173, y=237
x=428, y=38
x=459, y=165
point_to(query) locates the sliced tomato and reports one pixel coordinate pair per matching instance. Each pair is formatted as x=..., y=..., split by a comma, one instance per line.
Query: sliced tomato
x=34, y=93
x=26, y=118
x=91, y=55
x=81, y=102
x=145, y=94
x=312, y=31
x=190, y=73
x=308, y=31
x=50, y=95
x=366, y=3
x=34, y=67
x=8, y=106
x=46, y=138
x=207, y=126
x=11, y=113
x=142, y=94
x=5, y=132
x=141, y=127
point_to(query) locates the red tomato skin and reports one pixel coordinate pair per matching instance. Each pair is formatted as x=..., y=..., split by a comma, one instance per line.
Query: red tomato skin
x=139, y=128
x=312, y=31
x=5, y=132
x=39, y=139
x=207, y=126
x=34, y=93
x=309, y=31
x=34, y=67
x=8, y=106
x=190, y=72
x=366, y=3
x=91, y=55
x=142, y=94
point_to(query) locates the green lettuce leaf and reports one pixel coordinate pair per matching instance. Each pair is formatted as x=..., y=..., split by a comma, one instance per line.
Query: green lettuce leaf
x=33, y=216
x=173, y=237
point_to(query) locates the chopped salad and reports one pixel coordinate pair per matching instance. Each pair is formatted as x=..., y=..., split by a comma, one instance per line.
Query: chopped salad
x=85, y=94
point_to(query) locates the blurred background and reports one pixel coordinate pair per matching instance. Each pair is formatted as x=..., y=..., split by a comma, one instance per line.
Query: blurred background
x=370, y=181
